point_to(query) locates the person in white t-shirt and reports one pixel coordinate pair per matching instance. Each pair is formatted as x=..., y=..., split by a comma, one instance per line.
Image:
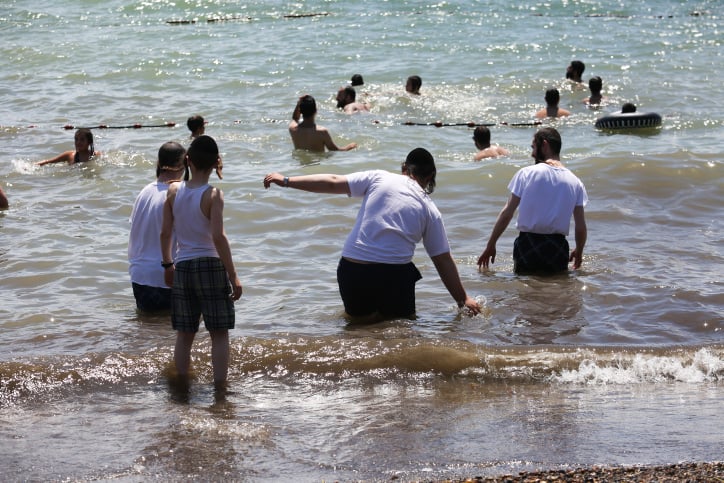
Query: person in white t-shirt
x=144, y=248
x=548, y=194
x=376, y=275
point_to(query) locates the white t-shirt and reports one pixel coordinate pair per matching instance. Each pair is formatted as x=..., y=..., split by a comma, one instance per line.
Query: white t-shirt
x=144, y=244
x=395, y=215
x=547, y=195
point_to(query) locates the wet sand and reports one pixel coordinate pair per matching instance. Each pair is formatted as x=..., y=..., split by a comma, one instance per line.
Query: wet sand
x=683, y=472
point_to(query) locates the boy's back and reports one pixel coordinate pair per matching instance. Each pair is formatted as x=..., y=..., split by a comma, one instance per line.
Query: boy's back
x=202, y=275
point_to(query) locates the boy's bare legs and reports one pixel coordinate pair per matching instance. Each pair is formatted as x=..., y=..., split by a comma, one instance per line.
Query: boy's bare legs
x=182, y=352
x=220, y=356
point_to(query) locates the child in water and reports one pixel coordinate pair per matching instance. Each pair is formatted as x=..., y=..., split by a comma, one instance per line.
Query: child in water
x=201, y=270
x=84, y=150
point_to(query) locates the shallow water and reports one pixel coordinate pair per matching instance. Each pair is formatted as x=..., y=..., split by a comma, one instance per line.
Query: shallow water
x=620, y=362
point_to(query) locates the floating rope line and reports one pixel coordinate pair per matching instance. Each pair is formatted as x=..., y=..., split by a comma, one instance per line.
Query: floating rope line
x=68, y=127
x=238, y=18
x=471, y=124
x=131, y=126
x=304, y=15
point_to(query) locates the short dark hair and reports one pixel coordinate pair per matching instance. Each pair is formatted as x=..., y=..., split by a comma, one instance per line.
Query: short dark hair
x=170, y=155
x=421, y=164
x=595, y=84
x=203, y=152
x=357, y=80
x=307, y=106
x=194, y=123
x=552, y=96
x=578, y=66
x=415, y=82
x=550, y=135
x=349, y=90
x=482, y=135
x=628, y=107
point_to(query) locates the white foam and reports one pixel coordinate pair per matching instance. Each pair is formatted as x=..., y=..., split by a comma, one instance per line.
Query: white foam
x=701, y=366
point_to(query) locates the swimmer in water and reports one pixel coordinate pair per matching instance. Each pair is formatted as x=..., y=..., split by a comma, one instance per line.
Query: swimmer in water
x=84, y=150
x=307, y=134
x=595, y=84
x=481, y=137
x=552, y=110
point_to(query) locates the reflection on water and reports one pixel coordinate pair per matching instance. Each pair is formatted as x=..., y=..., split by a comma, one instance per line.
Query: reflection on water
x=594, y=367
x=548, y=308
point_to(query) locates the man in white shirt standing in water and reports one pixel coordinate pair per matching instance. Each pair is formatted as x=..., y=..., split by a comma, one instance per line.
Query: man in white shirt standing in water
x=376, y=275
x=548, y=195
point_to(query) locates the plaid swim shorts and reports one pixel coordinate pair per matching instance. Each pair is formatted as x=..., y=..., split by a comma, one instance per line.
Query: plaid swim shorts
x=201, y=287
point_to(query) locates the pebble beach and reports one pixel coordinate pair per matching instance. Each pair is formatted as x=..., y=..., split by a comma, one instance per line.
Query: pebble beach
x=675, y=473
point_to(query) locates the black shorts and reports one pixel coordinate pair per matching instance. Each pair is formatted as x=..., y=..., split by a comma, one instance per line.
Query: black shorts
x=151, y=299
x=377, y=288
x=541, y=254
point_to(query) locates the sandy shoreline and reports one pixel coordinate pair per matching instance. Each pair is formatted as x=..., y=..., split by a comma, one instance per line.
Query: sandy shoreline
x=682, y=472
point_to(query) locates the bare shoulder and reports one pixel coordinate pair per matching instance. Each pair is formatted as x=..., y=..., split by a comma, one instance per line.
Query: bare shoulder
x=172, y=189
x=216, y=193
x=501, y=151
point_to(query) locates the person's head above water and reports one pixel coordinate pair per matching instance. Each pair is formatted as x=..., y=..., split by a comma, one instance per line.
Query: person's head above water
x=481, y=136
x=628, y=107
x=595, y=84
x=307, y=106
x=196, y=125
x=575, y=70
x=413, y=84
x=552, y=97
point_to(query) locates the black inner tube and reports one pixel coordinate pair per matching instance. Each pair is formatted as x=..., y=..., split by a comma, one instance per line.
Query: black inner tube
x=629, y=120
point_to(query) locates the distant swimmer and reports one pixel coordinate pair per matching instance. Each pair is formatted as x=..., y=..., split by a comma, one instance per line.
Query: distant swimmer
x=84, y=150
x=346, y=100
x=552, y=99
x=628, y=108
x=196, y=125
x=357, y=80
x=3, y=200
x=595, y=85
x=574, y=71
x=306, y=134
x=376, y=274
x=481, y=137
x=413, y=84
x=548, y=194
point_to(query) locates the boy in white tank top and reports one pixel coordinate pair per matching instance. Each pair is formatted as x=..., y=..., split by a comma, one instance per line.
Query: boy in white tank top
x=201, y=272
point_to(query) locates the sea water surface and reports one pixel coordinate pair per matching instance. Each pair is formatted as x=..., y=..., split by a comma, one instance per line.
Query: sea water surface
x=620, y=362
